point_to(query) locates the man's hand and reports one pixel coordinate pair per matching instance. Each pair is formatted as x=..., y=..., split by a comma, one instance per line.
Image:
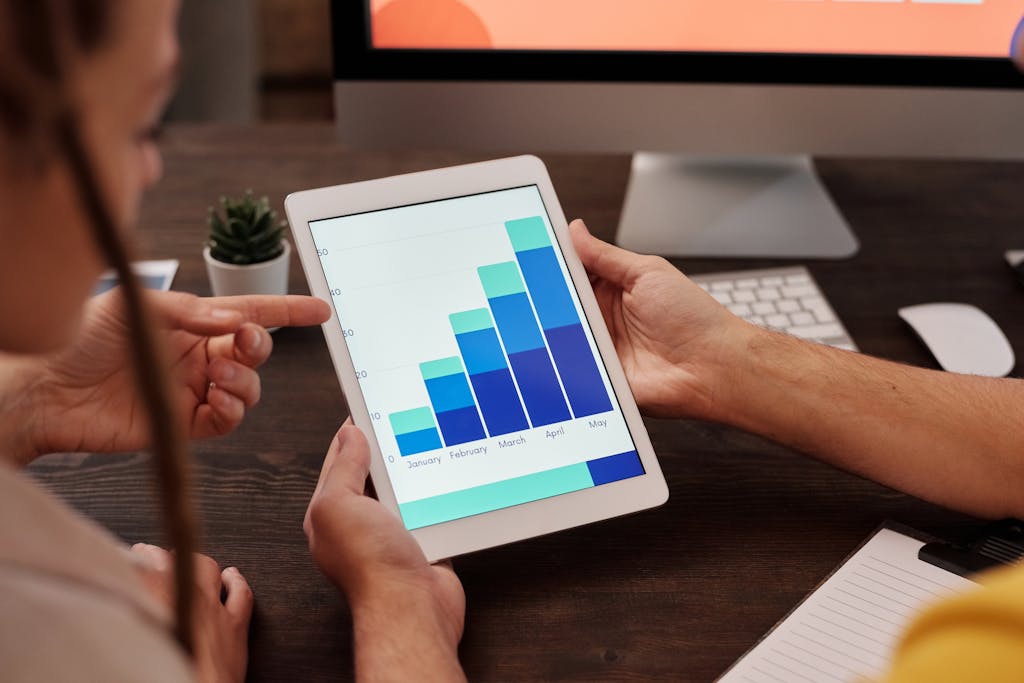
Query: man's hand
x=84, y=398
x=668, y=332
x=220, y=630
x=407, y=614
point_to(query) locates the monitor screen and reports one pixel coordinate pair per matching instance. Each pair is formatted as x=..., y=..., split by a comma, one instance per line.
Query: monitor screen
x=921, y=28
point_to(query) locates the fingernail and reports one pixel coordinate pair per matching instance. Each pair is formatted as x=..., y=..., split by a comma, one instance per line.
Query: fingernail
x=225, y=372
x=223, y=313
x=250, y=339
x=233, y=570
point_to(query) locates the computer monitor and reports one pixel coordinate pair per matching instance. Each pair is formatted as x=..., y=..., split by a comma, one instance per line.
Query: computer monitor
x=723, y=101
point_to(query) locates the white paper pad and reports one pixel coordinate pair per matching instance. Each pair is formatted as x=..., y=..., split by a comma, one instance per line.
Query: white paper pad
x=847, y=629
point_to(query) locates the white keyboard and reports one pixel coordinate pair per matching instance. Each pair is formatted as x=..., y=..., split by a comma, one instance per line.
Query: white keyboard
x=785, y=299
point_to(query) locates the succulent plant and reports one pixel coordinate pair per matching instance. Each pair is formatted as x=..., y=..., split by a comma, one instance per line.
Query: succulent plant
x=247, y=232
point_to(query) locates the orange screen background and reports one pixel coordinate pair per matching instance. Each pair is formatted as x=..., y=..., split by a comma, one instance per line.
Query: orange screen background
x=892, y=27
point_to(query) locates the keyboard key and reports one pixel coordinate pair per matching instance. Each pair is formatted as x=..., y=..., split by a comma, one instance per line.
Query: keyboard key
x=798, y=291
x=817, y=331
x=778, y=321
x=811, y=302
x=799, y=279
x=803, y=318
x=768, y=294
x=774, y=281
x=824, y=314
x=745, y=296
x=764, y=308
x=721, y=286
x=756, y=320
x=748, y=283
x=787, y=306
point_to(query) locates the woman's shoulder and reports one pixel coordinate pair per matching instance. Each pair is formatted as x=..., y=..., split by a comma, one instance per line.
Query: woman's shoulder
x=71, y=604
x=978, y=635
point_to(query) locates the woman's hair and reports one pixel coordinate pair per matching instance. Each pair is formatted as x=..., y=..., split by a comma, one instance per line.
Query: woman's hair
x=39, y=120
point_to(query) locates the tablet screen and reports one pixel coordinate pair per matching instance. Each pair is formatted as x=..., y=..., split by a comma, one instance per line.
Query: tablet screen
x=475, y=359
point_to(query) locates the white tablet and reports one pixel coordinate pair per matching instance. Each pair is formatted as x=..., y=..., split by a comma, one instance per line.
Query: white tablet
x=473, y=354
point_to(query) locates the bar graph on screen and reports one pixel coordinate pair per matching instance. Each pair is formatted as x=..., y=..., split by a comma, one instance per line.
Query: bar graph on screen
x=479, y=371
x=526, y=355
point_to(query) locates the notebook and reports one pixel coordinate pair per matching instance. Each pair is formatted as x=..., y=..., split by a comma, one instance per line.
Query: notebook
x=847, y=629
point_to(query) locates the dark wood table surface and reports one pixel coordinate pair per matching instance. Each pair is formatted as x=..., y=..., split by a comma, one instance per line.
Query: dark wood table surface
x=676, y=593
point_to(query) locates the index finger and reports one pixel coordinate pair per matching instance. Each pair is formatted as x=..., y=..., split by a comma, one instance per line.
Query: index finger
x=266, y=310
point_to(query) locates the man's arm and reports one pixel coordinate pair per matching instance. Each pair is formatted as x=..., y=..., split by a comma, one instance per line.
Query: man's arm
x=955, y=440
x=952, y=439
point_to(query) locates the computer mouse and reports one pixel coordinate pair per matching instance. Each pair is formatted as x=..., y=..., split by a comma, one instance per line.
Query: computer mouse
x=962, y=338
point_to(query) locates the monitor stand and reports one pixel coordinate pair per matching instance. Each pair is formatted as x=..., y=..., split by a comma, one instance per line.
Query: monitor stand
x=679, y=205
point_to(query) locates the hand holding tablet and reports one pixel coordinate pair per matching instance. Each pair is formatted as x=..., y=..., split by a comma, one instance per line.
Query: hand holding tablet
x=473, y=355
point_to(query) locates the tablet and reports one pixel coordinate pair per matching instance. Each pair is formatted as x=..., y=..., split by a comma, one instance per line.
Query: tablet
x=473, y=354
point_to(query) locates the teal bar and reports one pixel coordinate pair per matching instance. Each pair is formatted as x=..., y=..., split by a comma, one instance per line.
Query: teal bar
x=413, y=420
x=470, y=321
x=441, y=368
x=528, y=233
x=501, y=279
x=501, y=494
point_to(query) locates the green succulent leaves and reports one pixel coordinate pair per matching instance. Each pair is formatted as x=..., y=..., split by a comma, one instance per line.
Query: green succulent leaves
x=246, y=231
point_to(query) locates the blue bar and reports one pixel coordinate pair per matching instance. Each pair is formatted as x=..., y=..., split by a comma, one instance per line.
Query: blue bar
x=492, y=381
x=499, y=402
x=516, y=323
x=615, y=467
x=578, y=369
x=481, y=351
x=567, y=340
x=539, y=387
x=547, y=287
x=455, y=409
x=449, y=393
x=529, y=359
x=418, y=442
x=461, y=425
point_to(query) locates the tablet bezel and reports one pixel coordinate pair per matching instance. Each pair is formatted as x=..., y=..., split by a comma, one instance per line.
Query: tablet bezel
x=526, y=520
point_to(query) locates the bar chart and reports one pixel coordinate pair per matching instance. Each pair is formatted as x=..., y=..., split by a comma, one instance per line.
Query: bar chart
x=478, y=369
x=528, y=360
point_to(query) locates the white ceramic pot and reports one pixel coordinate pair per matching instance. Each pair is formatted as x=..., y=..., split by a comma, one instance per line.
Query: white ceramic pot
x=269, y=277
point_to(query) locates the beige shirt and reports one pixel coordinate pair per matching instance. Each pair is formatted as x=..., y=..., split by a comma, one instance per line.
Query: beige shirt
x=72, y=607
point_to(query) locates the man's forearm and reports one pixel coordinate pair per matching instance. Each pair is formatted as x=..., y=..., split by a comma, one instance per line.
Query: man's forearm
x=952, y=439
x=18, y=386
x=403, y=637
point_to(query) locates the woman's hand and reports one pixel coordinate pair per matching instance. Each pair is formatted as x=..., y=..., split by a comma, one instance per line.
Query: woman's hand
x=220, y=630
x=84, y=398
x=668, y=332
x=407, y=614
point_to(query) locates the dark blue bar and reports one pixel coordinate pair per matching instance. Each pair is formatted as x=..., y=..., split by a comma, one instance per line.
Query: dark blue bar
x=418, y=442
x=539, y=386
x=460, y=425
x=481, y=351
x=615, y=467
x=547, y=287
x=578, y=369
x=499, y=402
x=450, y=392
x=516, y=322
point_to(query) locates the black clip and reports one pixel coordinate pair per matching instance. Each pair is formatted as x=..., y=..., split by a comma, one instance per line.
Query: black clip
x=1000, y=543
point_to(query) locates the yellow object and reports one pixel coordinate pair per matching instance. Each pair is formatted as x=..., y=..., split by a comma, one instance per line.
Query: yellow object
x=977, y=636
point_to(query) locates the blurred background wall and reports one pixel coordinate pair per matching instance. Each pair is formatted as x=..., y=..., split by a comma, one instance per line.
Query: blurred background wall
x=254, y=60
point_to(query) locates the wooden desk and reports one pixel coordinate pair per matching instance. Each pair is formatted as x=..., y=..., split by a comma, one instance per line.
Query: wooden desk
x=676, y=593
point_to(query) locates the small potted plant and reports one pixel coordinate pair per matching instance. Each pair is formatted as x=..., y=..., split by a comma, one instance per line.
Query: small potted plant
x=246, y=252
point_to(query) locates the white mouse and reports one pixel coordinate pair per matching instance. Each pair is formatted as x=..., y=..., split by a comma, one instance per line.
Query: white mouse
x=962, y=338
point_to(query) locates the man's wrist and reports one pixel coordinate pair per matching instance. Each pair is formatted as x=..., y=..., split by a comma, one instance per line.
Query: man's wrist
x=20, y=386
x=401, y=632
